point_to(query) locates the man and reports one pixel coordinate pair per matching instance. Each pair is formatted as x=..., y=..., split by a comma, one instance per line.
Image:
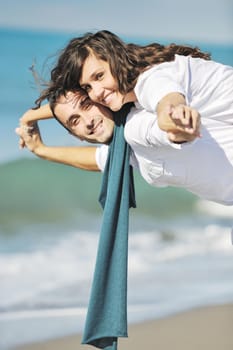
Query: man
x=83, y=119
x=203, y=166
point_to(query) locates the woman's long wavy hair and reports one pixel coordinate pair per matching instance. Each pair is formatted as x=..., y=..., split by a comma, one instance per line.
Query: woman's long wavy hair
x=126, y=61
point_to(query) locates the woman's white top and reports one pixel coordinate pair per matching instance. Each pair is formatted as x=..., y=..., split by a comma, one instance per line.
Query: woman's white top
x=204, y=166
x=206, y=85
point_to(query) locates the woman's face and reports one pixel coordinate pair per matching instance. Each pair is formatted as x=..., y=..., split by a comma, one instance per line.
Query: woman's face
x=97, y=80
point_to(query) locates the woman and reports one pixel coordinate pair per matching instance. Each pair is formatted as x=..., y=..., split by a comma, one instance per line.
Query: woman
x=114, y=73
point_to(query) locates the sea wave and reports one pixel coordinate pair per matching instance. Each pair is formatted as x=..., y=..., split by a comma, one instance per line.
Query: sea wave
x=35, y=192
x=45, y=285
x=58, y=271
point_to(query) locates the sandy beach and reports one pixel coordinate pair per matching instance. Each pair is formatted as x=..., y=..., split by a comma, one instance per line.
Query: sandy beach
x=208, y=328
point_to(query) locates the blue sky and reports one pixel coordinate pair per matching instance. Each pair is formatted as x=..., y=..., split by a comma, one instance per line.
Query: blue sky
x=197, y=20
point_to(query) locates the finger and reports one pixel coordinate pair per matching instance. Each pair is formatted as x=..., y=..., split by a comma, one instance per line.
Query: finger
x=185, y=129
x=20, y=132
x=195, y=127
x=21, y=143
x=196, y=121
x=186, y=118
x=170, y=136
x=170, y=109
x=181, y=117
x=183, y=113
x=23, y=137
x=178, y=112
x=176, y=137
x=180, y=137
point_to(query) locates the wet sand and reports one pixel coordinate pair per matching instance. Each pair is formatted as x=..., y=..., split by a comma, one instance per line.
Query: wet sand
x=208, y=328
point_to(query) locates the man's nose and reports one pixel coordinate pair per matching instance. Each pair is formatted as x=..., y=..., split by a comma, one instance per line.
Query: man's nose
x=89, y=121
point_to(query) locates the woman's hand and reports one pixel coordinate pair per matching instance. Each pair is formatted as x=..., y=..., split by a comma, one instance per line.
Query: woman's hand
x=186, y=119
x=180, y=121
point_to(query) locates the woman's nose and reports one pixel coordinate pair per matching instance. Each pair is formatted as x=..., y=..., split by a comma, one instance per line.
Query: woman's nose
x=96, y=93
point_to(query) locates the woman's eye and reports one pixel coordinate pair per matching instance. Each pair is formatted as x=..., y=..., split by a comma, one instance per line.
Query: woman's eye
x=87, y=88
x=99, y=76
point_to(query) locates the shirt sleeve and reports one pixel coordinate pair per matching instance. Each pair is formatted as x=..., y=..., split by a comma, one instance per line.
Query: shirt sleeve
x=101, y=156
x=156, y=83
x=159, y=138
x=142, y=129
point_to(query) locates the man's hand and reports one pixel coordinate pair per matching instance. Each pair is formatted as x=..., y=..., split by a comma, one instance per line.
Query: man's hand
x=29, y=136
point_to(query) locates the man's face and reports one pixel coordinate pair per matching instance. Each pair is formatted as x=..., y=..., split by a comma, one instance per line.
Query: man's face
x=84, y=118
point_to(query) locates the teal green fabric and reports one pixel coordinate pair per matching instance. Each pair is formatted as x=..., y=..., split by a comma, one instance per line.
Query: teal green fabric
x=107, y=310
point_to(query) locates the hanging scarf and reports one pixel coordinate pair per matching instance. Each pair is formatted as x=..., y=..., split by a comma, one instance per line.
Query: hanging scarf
x=107, y=310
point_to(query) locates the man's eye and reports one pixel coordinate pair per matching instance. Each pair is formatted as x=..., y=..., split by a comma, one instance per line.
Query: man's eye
x=86, y=103
x=74, y=121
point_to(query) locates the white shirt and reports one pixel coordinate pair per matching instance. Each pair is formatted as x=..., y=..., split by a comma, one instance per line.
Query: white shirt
x=203, y=167
x=206, y=85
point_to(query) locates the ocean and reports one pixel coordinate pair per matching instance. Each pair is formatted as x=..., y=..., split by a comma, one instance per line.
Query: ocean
x=180, y=249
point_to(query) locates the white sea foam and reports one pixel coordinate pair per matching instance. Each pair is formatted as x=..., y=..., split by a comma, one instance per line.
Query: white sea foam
x=48, y=313
x=60, y=274
x=29, y=277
